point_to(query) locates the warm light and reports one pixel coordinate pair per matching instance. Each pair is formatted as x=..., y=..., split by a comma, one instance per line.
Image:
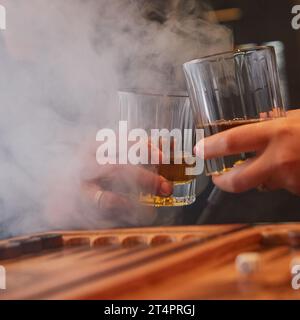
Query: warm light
x=225, y=15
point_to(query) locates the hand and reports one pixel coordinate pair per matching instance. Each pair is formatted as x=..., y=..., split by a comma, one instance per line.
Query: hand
x=87, y=195
x=277, y=162
x=114, y=190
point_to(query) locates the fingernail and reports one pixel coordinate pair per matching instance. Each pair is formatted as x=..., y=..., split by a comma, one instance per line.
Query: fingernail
x=199, y=149
x=165, y=188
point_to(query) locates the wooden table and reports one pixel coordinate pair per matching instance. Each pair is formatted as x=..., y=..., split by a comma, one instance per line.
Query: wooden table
x=190, y=262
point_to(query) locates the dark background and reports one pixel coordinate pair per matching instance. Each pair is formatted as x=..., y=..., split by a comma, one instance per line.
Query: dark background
x=268, y=20
x=260, y=21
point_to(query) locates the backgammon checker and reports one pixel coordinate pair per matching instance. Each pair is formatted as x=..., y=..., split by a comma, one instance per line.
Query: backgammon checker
x=190, y=262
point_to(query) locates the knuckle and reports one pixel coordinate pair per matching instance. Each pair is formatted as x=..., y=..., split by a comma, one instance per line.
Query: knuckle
x=108, y=201
x=284, y=129
x=286, y=168
x=285, y=162
x=289, y=177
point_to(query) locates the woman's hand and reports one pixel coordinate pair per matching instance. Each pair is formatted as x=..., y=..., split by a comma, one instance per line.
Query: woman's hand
x=277, y=162
x=113, y=190
x=88, y=195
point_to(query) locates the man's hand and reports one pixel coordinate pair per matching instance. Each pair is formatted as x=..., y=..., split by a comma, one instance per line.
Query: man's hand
x=277, y=162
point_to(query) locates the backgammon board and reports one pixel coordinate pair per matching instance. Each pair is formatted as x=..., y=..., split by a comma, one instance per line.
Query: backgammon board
x=187, y=262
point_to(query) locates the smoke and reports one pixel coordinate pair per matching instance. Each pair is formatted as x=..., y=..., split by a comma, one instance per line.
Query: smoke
x=61, y=64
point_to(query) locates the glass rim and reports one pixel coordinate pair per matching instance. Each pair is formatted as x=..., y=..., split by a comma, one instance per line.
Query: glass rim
x=233, y=53
x=167, y=94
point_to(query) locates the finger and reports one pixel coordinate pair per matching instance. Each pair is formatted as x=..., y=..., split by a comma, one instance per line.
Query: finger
x=246, y=138
x=293, y=114
x=90, y=164
x=105, y=200
x=272, y=184
x=124, y=178
x=276, y=183
x=146, y=180
x=118, y=208
x=245, y=176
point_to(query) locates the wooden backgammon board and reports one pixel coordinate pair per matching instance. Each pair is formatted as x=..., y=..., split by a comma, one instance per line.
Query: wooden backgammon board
x=188, y=262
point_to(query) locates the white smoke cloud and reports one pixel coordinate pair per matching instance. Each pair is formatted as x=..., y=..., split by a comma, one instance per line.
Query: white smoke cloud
x=61, y=64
